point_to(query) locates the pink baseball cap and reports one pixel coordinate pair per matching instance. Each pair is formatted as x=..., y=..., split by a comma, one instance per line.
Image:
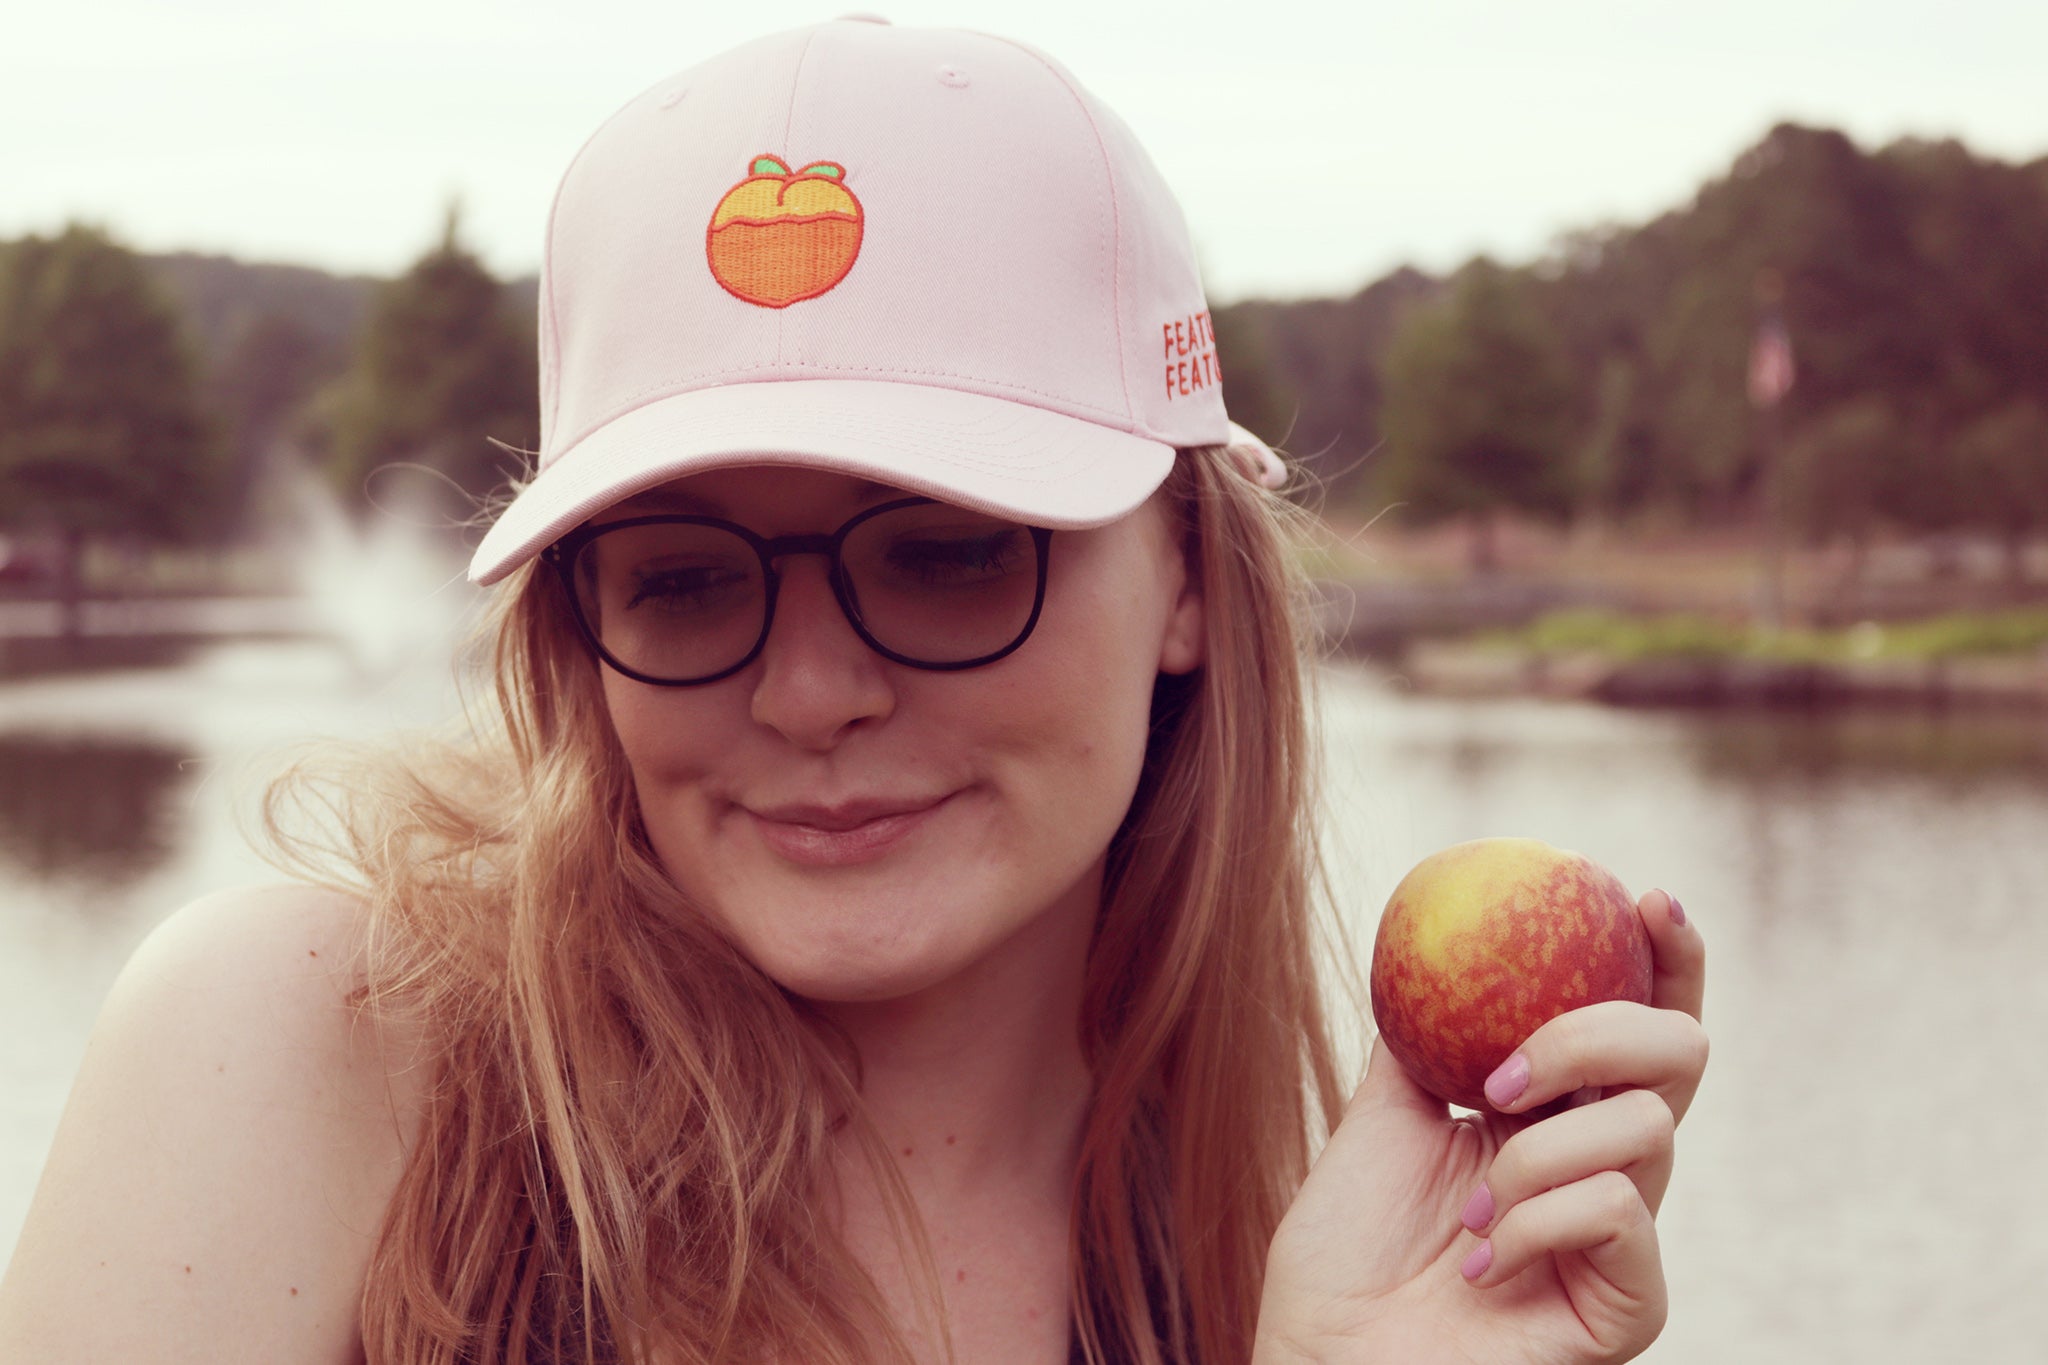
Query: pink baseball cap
x=924, y=257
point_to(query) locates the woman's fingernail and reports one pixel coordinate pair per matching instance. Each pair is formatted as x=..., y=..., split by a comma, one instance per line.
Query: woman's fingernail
x=1677, y=910
x=1478, y=1209
x=1475, y=1264
x=1510, y=1079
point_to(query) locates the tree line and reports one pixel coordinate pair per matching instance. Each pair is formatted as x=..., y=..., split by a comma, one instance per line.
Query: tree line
x=162, y=400
x=150, y=398
x=1609, y=378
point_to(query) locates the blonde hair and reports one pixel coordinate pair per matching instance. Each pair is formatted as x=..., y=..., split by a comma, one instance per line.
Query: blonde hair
x=626, y=1126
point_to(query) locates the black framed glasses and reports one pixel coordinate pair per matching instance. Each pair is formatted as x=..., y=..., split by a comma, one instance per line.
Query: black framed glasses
x=677, y=601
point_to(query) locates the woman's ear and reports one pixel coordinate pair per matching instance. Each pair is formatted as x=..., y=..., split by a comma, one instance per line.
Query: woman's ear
x=1186, y=642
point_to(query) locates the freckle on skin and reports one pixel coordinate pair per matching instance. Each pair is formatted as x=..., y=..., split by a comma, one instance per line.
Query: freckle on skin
x=295, y=1291
x=311, y=953
x=950, y=1139
x=906, y=1151
x=960, y=1277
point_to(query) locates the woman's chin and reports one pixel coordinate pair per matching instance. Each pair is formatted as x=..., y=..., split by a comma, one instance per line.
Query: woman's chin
x=871, y=948
x=837, y=979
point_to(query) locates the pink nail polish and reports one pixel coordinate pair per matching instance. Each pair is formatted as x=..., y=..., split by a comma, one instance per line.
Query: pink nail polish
x=1476, y=1264
x=1508, y=1081
x=1677, y=910
x=1478, y=1209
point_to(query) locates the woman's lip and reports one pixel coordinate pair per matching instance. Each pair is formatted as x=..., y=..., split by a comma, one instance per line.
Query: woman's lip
x=845, y=816
x=846, y=836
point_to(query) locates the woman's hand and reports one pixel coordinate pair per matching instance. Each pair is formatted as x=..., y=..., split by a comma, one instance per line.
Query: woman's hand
x=1506, y=1236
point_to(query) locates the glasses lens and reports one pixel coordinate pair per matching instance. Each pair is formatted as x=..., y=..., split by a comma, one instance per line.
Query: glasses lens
x=941, y=585
x=672, y=601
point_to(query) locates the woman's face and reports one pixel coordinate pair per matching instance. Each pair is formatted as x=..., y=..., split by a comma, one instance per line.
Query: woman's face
x=865, y=830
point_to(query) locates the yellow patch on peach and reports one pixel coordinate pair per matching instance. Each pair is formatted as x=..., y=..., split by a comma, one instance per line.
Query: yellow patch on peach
x=768, y=197
x=1465, y=884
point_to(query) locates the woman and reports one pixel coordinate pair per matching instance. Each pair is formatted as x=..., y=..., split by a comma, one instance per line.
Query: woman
x=877, y=926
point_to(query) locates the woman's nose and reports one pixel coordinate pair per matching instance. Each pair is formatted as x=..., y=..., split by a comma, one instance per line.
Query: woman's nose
x=817, y=678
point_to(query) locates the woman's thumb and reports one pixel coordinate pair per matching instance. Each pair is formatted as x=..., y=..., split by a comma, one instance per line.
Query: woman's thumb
x=1387, y=1087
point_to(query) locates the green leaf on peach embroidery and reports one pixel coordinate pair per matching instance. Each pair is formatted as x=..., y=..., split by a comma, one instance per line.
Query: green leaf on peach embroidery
x=768, y=165
x=830, y=170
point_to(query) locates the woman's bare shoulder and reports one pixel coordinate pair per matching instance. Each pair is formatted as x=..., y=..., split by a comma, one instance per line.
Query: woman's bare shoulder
x=229, y=1147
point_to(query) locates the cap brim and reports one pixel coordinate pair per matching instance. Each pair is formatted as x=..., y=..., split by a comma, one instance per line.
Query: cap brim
x=992, y=454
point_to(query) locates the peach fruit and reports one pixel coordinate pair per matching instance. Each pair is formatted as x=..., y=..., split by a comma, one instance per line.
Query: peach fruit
x=1483, y=942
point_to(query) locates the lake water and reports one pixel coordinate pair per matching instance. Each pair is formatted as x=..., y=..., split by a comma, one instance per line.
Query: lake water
x=1858, y=1180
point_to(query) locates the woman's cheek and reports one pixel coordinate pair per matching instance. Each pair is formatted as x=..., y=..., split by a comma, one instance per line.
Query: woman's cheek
x=1078, y=772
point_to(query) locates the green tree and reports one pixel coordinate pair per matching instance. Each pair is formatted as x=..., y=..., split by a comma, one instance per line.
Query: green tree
x=1981, y=226
x=102, y=429
x=1998, y=477
x=1479, y=409
x=1252, y=389
x=1322, y=360
x=1844, y=470
x=443, y=365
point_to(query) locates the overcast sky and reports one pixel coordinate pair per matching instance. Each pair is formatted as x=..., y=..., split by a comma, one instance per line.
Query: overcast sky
x=1424, y=132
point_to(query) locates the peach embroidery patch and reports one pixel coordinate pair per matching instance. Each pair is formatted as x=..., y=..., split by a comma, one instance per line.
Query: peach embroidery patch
x=780, y=236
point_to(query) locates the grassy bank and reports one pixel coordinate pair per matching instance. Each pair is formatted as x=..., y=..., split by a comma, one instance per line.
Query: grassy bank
x=1978, y=658
x=2015, y=632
